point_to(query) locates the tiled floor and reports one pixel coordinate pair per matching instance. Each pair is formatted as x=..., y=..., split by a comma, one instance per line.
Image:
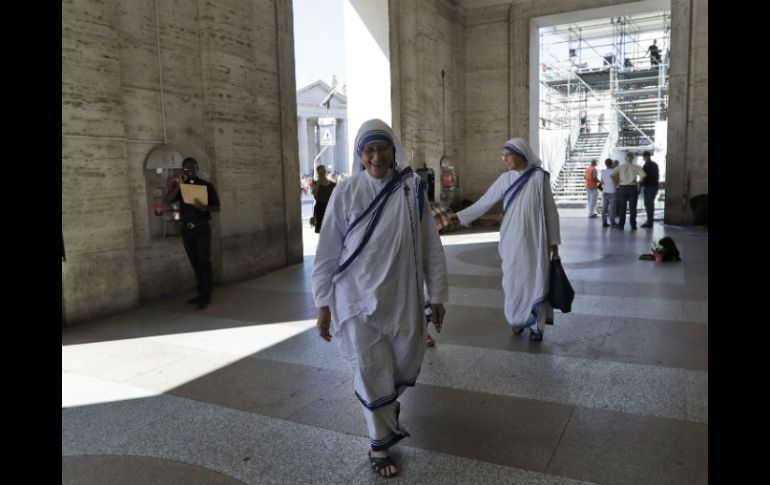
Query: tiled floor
x=245, y=392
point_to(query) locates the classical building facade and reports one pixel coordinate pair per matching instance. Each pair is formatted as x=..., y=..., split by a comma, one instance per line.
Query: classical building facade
x=315, y=129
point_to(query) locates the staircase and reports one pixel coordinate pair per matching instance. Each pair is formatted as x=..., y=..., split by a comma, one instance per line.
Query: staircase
x=643, y=112
x=638, y=97
x=569, y=190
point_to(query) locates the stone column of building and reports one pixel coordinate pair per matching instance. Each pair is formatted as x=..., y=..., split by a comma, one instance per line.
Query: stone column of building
x=304, y=163
x=311, y=144
x=340, y=150
x=338, y=147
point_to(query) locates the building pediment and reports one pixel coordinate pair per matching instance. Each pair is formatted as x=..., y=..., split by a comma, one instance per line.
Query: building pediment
x=314, y=93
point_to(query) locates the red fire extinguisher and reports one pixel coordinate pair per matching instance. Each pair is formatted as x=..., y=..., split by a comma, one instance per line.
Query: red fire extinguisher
x=448, y=180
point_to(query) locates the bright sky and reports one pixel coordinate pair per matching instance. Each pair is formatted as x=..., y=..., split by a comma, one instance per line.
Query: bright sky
x=319, y=38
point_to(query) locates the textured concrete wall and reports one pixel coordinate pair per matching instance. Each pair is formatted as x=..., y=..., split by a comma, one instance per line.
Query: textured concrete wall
x=227, y=72
x=487, y=97
x=687, y=157
x=99, y=276
x=429, y=116
x=289, y=148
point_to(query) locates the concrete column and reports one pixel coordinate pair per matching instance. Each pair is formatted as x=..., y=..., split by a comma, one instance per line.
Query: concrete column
x=338, y=147
x=311, y=145
x=100, y=275
x=287, y=109
x=342, y=143
x=304, y=163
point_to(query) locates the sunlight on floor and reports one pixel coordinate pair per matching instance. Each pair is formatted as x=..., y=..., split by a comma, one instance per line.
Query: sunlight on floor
x=482, y=237
x=131, y=368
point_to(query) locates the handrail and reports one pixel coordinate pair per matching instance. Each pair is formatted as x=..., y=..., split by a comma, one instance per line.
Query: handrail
x=596, y=96
x=612, y=104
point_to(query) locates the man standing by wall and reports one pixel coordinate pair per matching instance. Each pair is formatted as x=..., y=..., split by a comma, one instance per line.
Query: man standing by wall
x=650, y=187
x=196, y=231
x=591, y=177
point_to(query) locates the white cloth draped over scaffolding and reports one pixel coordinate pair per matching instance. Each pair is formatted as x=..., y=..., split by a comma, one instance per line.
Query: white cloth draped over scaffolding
x=553, y=150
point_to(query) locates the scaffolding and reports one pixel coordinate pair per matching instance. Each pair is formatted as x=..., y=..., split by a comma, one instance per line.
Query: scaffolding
x=606, y=75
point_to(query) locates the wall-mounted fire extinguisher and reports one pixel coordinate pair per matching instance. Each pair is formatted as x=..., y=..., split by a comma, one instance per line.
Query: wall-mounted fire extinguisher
x=449, y=177
x=449, y=180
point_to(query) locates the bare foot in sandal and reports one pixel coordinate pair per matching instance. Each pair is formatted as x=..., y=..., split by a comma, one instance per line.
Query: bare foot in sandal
x=429, y=341
x=382, y=464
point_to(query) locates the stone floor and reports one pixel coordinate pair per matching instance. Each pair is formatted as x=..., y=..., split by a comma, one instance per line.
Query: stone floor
x=245, y=391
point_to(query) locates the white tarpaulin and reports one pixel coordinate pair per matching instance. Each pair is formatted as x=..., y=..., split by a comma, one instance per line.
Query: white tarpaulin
x=553, y=150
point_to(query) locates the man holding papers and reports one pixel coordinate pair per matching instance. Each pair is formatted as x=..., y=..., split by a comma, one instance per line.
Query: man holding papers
x=197, y=200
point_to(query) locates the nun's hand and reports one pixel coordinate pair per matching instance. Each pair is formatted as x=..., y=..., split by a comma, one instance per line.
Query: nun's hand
x=437, y=315
x=324, y=322
x=554, y=251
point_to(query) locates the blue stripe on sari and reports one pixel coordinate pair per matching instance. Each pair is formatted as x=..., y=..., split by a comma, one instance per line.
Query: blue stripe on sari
x=516, y=183
x=388, y=441
x=421, y=187
x=517, y=186
x=535, y=312
x=372, y=136
x=515, y=151
x=377, y=205
x=384, y=401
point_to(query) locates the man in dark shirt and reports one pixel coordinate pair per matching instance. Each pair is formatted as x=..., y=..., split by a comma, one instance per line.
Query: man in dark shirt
x=429, y=176
x=196, y=231
x=649, y=187
x=654, y=53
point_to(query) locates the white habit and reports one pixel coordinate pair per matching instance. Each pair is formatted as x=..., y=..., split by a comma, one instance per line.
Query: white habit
x=375, y=291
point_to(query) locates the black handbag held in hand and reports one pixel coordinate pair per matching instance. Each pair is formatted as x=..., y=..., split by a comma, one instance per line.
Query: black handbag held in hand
x=560, y=292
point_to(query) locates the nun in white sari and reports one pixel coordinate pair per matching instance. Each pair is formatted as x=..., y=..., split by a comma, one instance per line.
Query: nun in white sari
x=529, y=236
x=378, y=253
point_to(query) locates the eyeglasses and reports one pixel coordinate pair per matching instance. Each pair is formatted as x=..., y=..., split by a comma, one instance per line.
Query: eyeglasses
x=380, y=149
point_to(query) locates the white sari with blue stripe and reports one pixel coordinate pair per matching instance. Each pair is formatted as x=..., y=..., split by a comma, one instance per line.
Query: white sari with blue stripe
x=379, y=250
x=378, y=226
x=529, y=216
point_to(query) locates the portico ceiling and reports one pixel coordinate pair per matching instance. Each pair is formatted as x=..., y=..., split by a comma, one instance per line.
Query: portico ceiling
x=470, y=4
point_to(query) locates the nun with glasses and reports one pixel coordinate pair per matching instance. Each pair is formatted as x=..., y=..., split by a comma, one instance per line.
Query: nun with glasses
x=529, y=236
x=379, y=258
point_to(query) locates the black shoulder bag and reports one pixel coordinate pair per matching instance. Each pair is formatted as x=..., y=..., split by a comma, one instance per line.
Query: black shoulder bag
x=560, y=292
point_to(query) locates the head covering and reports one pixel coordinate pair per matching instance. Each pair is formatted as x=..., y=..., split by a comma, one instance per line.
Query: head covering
x=519, y=147
x=376, y=130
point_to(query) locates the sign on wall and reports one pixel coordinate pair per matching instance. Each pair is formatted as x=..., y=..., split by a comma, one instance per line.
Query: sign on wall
x=328, y=127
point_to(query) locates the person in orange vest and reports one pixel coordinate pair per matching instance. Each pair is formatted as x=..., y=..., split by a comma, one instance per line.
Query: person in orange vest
x=592, y=188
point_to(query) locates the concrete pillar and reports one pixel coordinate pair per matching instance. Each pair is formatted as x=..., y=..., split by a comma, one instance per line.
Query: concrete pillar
x=311, y=142
x=337, y=147
x=342, y=145
x=99, y=276
x=304, y=163
x=287, y=110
